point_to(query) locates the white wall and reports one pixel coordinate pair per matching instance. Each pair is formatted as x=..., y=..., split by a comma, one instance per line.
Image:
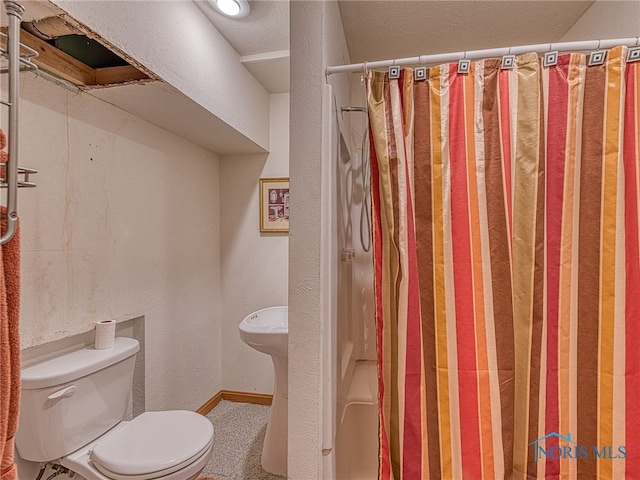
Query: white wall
x=317, y=39
x=607, y=19
x=124, y=222
x=254, y=265
x=363, y=300
x=304, y=459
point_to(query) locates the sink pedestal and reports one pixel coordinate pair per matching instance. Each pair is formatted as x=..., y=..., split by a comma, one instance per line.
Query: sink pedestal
x=267, y=331
x=274, y=450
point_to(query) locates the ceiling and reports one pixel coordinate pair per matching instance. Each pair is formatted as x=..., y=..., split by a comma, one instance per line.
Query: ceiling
x=261, y=40
x=386, y=29
x=379, y=30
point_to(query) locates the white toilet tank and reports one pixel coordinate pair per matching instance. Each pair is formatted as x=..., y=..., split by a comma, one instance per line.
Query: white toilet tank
x=70, y=400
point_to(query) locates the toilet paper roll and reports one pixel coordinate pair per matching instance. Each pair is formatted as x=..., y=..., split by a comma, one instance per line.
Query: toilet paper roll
x=105, y=333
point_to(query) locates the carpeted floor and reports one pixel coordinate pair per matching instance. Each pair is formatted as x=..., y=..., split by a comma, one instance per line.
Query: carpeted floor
x=239, y=432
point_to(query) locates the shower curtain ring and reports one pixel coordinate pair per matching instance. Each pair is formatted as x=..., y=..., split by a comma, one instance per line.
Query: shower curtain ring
x=637, y=41
x=508, y=60
x=464, y=65
x=596, y=57
x=394, y=71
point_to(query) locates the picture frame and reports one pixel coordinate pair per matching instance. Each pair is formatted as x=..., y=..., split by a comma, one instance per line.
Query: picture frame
x=274, y=205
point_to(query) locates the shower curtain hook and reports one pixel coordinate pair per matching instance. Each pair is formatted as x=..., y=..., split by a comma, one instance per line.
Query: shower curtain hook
x=394, y=71
x=365, y=73
x=550, y=57
x=508, y=60
x=596, y=57
x=420, y=72
x=633, y=54
x=464, y=65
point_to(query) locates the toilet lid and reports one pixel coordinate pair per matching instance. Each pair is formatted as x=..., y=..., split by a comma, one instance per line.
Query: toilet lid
x=154, y=442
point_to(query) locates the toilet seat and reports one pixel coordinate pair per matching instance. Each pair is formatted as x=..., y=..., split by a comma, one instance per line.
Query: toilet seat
x=153, y=445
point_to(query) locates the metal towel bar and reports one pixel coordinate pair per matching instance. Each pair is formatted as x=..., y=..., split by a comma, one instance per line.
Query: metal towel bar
x=15, y=58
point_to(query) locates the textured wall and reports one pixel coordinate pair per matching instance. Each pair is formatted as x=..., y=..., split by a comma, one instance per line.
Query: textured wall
x=124, y=222
x=254, y=266
x=317, y=39
x=304, y=242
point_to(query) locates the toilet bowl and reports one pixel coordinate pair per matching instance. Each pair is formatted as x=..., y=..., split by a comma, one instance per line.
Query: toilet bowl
x=72, y=414
x=140, y=449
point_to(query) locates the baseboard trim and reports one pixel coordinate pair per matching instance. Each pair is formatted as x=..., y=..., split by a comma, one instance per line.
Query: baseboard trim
x=232, y=396
x=209, y=404
x=256, y=398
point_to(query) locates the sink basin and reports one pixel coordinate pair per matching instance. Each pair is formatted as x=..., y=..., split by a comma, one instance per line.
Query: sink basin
x=267, y=330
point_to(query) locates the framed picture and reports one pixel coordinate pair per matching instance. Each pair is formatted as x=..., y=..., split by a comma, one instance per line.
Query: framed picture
x=274, y=205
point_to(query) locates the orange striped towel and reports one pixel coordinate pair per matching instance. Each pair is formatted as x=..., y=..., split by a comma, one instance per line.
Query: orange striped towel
x=9, y=345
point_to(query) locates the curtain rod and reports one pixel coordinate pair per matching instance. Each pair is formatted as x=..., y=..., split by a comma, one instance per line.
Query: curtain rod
x=439, y=58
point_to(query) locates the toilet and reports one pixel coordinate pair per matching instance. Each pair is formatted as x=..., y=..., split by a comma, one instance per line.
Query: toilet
x=72, y=411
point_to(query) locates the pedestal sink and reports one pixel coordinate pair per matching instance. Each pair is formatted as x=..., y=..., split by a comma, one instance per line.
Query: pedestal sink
x=267, y=331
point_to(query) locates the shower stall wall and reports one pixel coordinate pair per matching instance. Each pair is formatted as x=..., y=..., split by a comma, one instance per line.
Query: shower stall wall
x=351, y=429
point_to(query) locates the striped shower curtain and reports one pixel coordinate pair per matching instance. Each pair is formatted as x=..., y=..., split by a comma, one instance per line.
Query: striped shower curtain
x=507, y=270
